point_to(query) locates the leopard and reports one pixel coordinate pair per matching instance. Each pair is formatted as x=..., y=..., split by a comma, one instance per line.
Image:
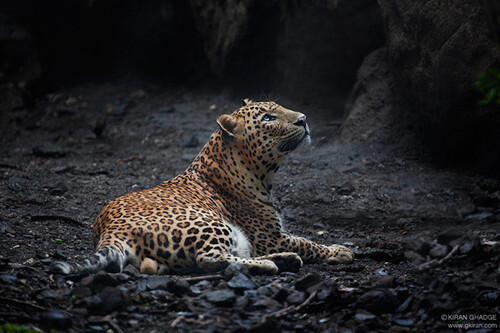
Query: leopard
x=219, y=211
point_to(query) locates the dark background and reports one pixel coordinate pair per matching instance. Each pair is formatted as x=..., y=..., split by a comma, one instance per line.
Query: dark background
x=419, y=60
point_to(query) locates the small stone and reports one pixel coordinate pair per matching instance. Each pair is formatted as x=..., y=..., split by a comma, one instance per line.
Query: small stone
x=297, y=297
x=155, y=282
x=58, y=255
x=233, y=269
x=57, y=188
x=345, y=189
x=223, y=297
x=50, y=294
x=71, y=101
x=81, y=292
x=383, y=281
x=363, y=316
x=264, y=291
x=466, y=244
x=467, y=209
x=93, y=304
x=200, y=286
x=242, y=282
x=113, y=299
x=131, y=270
x=10, y=279
x=438, y=251
x=281, y=295
x=378, y=301
x=5, y=228
x=413, y=257
x=489, y=297
x=324, y=289
x=449, y=235
x=307, y=282
x=484, y=214
x=57, y=319
x=241, y=303
x=181, y=287
x=403, y=322
x=267, y=302
x=162, y=295
x=189, y=141
x=99, y=281
x=48, y=149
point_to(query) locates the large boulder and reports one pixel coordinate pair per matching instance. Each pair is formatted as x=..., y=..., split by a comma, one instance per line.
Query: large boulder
x=438, y=48
x=435, y=51
x=376, y=106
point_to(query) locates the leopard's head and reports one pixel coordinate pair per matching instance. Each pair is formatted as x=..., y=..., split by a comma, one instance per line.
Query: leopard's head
x=264, y=132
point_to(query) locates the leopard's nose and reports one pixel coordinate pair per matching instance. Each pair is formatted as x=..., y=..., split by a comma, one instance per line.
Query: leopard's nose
x=301, y=121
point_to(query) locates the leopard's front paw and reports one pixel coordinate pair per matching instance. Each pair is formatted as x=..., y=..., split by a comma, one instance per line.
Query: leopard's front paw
x=340, y=254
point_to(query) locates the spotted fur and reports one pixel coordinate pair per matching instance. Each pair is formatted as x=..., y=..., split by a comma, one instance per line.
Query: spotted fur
x=216, y=212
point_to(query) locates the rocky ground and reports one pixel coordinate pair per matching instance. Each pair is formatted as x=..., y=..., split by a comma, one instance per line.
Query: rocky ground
x=426, y=240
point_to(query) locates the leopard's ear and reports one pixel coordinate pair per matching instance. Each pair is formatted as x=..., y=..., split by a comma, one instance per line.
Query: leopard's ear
x=246, y=101
x=228, y=124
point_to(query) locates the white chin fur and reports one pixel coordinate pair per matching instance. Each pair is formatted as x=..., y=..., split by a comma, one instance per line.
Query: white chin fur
x=304, y=143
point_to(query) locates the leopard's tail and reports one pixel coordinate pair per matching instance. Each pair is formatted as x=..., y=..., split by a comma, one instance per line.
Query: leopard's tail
x=108, y=258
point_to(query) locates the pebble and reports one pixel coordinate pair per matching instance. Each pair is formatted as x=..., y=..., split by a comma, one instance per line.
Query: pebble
x=131, y=270
x=268, y=302
x=363, y=316
x=438, y=251
x=307, y=281
x=48, y=149
x=383, y=281
x=99, y=281
x=378, y=301
x=223, y=297
x=233, y=269
x=480, y=216
x=297, y=297
x=155, y=282
x=112, y=299
x=5, y=228
x=449, y=235
x=81, y=292
x=403, y=322
x=93, y=303
x=181, y=287
x=200, y=286
x=264, y=291
x=413, y=257
x=241, y=282
x=10, y=279
x=346, y=189
x=57, y=319
x=281, y=295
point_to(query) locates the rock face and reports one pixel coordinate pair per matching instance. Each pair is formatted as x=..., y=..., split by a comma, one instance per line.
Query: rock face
x=435, y=51
x=307, y=51
x=376, y=104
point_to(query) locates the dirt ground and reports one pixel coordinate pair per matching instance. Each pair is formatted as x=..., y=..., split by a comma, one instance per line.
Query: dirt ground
x=426, y=239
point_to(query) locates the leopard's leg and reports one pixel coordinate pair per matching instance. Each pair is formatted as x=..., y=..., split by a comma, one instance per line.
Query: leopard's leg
x=312, y=252
x=214, y=261
x=286, y=261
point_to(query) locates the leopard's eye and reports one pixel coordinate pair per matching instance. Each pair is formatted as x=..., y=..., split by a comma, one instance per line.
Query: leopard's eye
x=268, y=117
